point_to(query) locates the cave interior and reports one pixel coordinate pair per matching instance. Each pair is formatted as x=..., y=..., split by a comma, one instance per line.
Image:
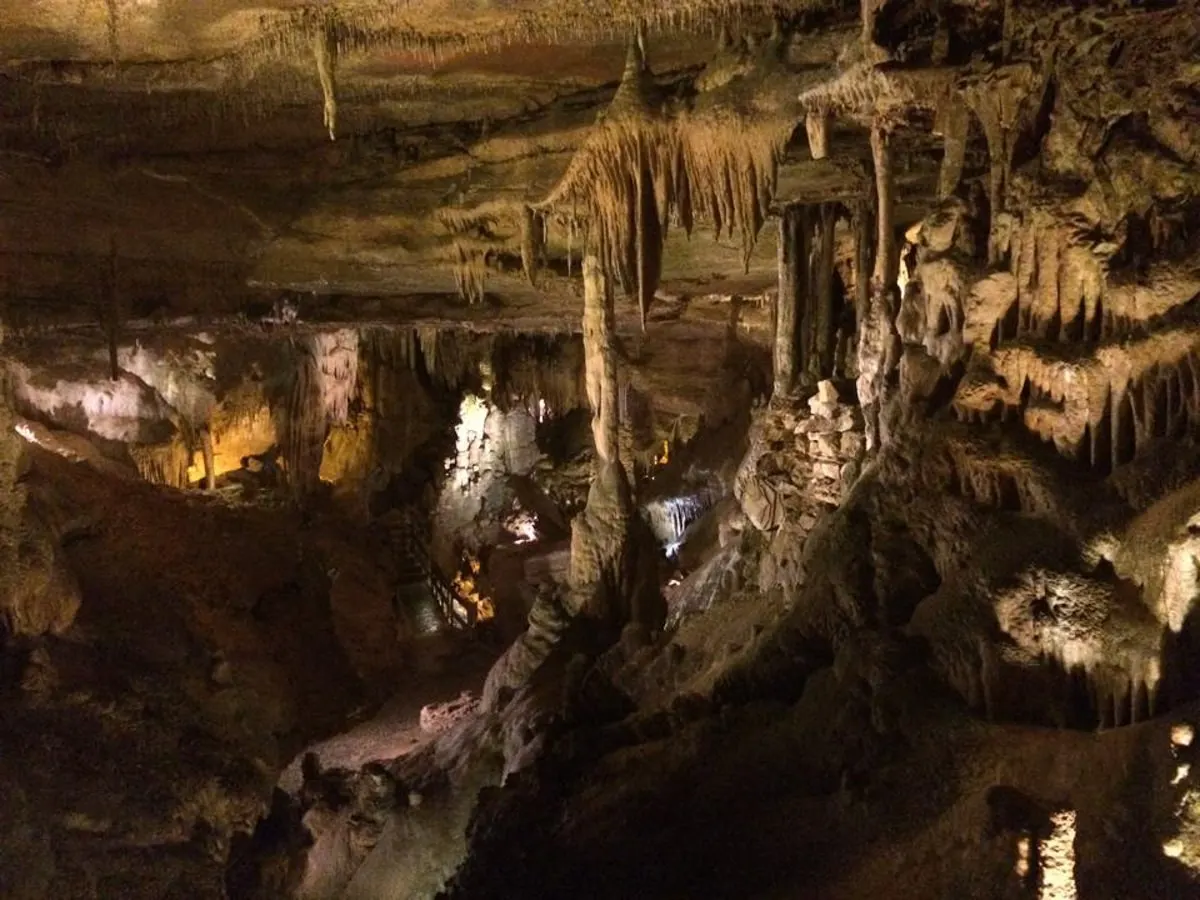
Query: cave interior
x=475, y=449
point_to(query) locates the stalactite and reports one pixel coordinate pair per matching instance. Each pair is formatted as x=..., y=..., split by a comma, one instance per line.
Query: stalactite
x=816, y=125
x=325, y=51
x=1008, y=25
x=533, y=243
x=1044, y=312
x=647, y=229
x=165, y=464
x=640, y=168
x=953, y=124
x=999, y=102
x=470, y=274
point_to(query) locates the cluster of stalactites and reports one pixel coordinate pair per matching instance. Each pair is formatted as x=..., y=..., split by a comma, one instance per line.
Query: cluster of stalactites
x=644, y=168
x=469, y=233
x=325, y=384
x=330, y=31
x=813, y=328
x=1103, y=409
x=470, y=273
x=165, y=464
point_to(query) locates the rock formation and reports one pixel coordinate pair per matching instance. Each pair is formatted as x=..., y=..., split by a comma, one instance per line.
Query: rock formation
x=412, y=501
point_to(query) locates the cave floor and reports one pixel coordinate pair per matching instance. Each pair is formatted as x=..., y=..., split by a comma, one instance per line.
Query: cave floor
x=447, y=666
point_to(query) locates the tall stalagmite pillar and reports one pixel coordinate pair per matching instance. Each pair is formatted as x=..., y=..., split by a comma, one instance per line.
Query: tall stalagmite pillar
x=210, y=468
x=613, y=579
x=878, y=344
x=864, y=241
x=789, y=306
x=599, y=363
x=887, y=260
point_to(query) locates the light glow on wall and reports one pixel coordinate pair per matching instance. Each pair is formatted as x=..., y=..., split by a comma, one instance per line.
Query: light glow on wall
x=473, y=413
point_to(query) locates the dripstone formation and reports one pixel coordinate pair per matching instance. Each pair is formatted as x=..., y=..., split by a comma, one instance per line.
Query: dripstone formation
x=708, y=448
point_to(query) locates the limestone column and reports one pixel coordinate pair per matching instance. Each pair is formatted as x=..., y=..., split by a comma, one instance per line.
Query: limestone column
x=887, y=260
x=789, y=307
x=599, y=362
x=878, y=344
x=864, y=239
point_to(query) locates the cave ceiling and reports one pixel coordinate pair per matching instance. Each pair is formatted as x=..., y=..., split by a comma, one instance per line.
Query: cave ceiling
x=192, y=140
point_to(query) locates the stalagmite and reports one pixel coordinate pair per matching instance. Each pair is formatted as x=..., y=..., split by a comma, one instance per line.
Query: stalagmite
x=599, y=359
x=210, y=469
x=878, y=350
x=864, y=230
x=326, y=52
x=305, y=429
x=612, y=579
x=793, y=280
x=325, y=382
x=887, y=261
